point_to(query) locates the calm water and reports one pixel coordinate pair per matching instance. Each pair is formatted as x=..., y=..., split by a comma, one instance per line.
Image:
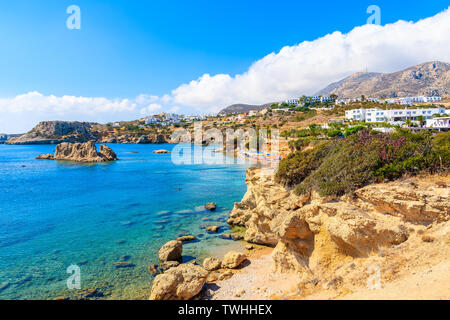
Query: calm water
x=54, y=214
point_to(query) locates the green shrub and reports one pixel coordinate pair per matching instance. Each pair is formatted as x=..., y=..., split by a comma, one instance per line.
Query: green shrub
x=340, y=166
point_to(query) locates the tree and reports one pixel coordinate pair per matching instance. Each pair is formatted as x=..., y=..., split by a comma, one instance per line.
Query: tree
x=333, y=97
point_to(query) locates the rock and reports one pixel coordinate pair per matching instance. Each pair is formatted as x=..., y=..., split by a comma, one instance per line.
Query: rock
x=212, y=264
x=211, y=206
x=249, y=247
x=84, y=152
x=226, y=236
x=239, y=293
x=214, y=229
x=225, y=275
x=237, y=237
x=427, y=238
x=107, y=153
x=161, y=151
x=61, y=298
x=186, y=238
x=179, y=283
x=123, y=264
x=153, y=269
x=89, y=293
x=45, y=157
x=233, y=259
x=169, y=264
x=171, y=251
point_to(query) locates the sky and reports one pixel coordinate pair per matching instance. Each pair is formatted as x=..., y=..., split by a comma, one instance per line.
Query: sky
x=134, y=58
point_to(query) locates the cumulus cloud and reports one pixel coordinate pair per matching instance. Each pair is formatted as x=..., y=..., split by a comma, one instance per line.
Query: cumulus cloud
x=311, y=65
x=150, y=109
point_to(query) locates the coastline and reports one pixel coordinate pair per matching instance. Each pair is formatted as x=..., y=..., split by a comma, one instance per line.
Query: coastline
x=412, y=267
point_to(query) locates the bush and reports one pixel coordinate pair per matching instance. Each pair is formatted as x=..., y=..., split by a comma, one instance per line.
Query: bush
x=341, y=166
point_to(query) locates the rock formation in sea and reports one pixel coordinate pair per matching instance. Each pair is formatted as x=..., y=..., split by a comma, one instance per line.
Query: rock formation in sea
x=80, y=152
x=312, y=233
x=84, y=152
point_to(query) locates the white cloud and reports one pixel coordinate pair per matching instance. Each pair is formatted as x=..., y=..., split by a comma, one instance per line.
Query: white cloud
x=312, y=65
x=150, y=109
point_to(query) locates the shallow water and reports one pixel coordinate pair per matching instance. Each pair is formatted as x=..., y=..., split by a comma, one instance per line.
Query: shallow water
x=54, y=214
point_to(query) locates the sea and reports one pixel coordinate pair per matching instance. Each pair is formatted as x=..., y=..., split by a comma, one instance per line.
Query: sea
x=64, y=219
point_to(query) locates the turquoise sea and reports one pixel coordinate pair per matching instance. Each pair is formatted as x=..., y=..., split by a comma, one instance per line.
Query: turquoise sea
x=55, y=214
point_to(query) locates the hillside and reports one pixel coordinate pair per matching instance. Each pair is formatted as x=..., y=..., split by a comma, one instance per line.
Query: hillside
x=241, y=108
x=430, y=78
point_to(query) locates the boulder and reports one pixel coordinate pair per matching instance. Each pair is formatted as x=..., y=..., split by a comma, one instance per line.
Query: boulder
x=212, y=264
x=179, y=283
x=171, y=251
x=214, y=229
x=211, y=206
x=233, y=259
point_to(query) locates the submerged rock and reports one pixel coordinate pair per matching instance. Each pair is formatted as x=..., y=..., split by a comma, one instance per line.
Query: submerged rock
x=153, y=269
x=186, y=238
x=213, y=229
x=161, y=151
x=171, y=251
x=123, y=264
x=179, y=283
x=233, y=259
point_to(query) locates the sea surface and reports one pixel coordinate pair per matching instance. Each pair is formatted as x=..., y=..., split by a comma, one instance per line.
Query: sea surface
x=56, y=214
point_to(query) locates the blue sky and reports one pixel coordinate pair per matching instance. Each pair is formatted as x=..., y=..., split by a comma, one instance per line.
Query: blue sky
x=128, y=48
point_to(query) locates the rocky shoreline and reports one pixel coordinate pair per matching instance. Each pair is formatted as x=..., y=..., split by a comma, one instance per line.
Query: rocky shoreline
x=322, y=247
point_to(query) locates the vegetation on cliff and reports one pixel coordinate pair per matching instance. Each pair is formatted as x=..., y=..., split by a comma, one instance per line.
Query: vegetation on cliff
x=340, y=166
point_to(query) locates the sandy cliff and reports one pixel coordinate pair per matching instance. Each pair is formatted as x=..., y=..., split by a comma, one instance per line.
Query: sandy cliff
x=331, y=242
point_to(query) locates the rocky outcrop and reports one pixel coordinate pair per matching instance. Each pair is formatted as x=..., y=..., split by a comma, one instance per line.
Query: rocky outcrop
x=84, y=152
x=54, y=132
x=310, y=232
x=233, y=259
x=171, y=251
x=179, y=283
x=45, y=157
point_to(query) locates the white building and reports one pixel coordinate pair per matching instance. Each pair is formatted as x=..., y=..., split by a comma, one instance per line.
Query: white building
x=393, y=116
x=151, y=119
x=292, y=101
x=412, y=100
x=438, y=123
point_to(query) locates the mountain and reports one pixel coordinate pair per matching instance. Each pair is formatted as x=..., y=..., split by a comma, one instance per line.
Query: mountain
x=241, y=108
x=430, y=78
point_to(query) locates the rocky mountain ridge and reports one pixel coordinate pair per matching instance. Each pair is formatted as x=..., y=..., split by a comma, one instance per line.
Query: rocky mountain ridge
x=430, y=78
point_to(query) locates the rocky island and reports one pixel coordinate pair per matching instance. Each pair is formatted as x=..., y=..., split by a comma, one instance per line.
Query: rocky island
x=80, y=152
